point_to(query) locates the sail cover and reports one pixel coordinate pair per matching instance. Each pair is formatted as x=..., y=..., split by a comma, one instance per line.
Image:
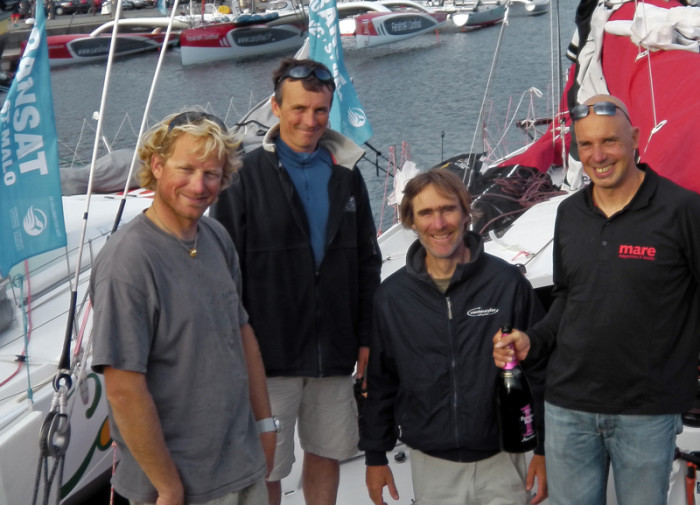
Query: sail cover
x=672, y=147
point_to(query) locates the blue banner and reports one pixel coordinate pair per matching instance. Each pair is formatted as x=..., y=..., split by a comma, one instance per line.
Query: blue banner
x=347, y=115
x=162, y=7
x=31, y=208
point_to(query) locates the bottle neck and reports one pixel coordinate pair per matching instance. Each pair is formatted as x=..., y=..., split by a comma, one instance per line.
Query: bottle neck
x=512, y=364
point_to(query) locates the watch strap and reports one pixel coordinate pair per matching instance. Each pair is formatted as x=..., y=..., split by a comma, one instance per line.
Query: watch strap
x=267, y=425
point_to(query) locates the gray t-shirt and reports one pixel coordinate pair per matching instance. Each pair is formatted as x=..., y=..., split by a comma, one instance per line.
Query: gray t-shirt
x=177, y=319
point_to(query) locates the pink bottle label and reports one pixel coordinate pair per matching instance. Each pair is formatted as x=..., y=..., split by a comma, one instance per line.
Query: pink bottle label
x=526, y=419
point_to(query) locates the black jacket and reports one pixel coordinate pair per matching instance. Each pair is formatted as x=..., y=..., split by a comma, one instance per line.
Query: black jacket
x=309, y=323
x=431, y=379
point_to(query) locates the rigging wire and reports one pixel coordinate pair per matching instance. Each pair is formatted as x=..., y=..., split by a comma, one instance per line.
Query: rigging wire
x=530, y=92
x=487, y=92
x=64, y=362
x=557, y=84
x=144, y=120
x=390, y=167
x=18, y=282
x=55, y=431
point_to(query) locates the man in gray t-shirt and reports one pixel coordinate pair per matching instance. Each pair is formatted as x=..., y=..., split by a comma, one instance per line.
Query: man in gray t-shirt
x=182, y=368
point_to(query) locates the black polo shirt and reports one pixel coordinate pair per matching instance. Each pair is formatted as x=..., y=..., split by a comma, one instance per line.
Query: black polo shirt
x=624, y=330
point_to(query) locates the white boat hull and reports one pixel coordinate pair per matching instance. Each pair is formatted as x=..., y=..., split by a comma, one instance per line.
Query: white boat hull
x=374, y=29
x=469, y=19
x=228, y=41
x=135, y=35
x=528, y=7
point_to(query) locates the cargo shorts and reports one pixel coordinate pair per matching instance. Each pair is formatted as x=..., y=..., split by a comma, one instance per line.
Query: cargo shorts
x=326, y=413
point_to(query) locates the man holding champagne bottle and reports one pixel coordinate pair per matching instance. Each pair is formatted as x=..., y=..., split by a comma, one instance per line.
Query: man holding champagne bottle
x=431, y=381
x=622, y=332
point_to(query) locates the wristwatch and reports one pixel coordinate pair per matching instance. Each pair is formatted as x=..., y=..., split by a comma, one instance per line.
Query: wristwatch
x=268, y=424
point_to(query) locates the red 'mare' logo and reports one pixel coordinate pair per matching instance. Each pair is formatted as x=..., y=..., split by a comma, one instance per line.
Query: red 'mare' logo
x=637, y=252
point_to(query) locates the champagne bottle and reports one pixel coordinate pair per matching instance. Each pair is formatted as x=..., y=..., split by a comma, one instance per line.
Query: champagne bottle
x=514, y=407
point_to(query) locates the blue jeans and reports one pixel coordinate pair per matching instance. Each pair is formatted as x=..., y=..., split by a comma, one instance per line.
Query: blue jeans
x=579, y=447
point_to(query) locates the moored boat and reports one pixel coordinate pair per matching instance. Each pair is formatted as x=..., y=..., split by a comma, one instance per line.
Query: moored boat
x=377, y=23
x=280, y=28
x=464, y=15
x=135, y=35
x=527, y=7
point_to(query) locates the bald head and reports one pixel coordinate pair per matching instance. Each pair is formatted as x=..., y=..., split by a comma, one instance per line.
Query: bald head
x=609, y=98
x=607, y=144
x=602, y=107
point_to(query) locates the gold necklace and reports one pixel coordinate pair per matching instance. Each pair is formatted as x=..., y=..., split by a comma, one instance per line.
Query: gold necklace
x=193, y=250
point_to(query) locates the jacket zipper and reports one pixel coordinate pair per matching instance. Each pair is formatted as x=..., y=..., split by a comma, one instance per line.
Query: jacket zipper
x=319, y=346
x=453, y=371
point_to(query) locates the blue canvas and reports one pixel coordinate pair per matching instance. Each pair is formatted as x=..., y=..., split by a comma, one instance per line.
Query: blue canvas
x=31, y=208
x=347, y=115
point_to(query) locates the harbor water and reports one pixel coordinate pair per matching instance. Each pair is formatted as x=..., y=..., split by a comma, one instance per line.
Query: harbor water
x=425, y=92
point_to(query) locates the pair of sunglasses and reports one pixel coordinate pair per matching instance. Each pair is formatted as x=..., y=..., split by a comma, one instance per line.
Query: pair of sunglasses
x=304, y=72
x=600, y=108
x=194, y=117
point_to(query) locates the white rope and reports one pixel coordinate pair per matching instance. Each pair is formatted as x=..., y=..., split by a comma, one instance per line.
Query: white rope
x=646, y=54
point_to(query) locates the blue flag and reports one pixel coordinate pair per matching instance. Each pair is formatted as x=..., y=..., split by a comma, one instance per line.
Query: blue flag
x=31, y=208
x=162, y=8
x=347, y=115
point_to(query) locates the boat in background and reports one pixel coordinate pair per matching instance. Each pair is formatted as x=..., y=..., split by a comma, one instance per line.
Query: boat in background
x=386, y=21
x=527, y=7
x=465, y=15
x=135, y=35
x=210, y=14
x=281, y=27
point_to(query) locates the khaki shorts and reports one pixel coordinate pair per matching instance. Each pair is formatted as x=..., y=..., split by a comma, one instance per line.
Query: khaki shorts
x=255, y=494
x=498, y=480
x=327, y=415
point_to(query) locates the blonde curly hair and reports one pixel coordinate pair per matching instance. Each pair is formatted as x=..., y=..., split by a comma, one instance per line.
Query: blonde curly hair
x=160, y=141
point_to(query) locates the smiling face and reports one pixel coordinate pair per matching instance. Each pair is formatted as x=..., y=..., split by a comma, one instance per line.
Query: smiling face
x=440, y=223
x=606, y=146
x=186, y=184
x=303, y=115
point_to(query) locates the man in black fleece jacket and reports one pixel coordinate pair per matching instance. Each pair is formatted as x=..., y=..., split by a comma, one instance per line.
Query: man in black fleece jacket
x=431, y=381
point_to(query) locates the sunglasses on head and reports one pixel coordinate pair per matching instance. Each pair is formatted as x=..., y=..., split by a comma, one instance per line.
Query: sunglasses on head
x=600, y=108
x=194, y=117
x=304, y=72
